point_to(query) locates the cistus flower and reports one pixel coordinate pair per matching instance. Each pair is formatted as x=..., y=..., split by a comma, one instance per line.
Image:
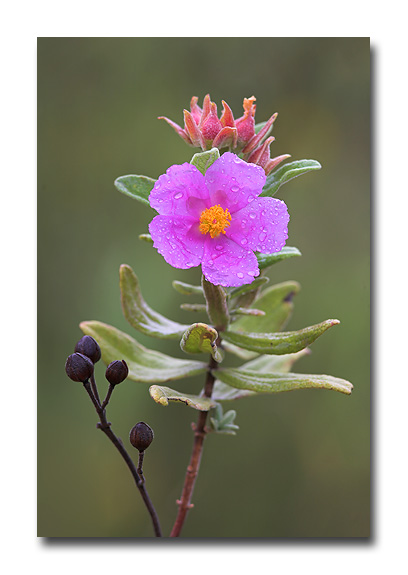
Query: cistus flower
x=217, y=220
x=203, y=128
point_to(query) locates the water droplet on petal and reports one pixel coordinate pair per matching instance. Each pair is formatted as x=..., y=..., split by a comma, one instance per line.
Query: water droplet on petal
x=240, y=275
x=252, y=215
x=262, y=236
x=244, y=241
x=178, y=195
x=251, y=198
x=263, y=213
x=235, y=188
x=219, y=247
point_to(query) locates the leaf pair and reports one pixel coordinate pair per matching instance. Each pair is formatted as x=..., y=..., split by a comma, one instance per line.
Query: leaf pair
x=139, y=187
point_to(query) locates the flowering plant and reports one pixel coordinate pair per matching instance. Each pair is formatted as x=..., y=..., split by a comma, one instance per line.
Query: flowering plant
x=217, y=211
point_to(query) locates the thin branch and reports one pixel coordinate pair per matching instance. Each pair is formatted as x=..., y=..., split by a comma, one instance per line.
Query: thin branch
x=105, y=426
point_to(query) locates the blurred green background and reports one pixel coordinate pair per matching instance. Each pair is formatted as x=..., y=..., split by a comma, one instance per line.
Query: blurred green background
x=300, y=463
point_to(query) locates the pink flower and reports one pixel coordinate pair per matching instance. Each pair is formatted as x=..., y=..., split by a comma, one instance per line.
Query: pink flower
x=217, y=220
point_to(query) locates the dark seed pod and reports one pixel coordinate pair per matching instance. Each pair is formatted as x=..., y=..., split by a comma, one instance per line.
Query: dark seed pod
x=79, y=367
x=117, y=371
x=141, y=436
x=89, y=347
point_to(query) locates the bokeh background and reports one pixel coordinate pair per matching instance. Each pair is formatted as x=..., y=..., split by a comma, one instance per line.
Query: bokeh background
x=300, y=463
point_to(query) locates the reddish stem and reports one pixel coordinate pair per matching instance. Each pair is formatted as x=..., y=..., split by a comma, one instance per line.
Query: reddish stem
x=194, y=465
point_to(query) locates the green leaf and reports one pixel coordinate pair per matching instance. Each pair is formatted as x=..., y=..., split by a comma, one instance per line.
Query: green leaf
x=139, y=314
x=279, y=343
x=203, y=160
x=223, y=423
x=278, y=382
x=266, y=260
x=276, y=302
x=145, y=365
x=247, y=311
x=146, y=238
x=285, y=173
x=217, y=308
x=187, y=289
x=137, y=187
x=200, y=338
x=241, y=290
x=163, y=395
x=238, y=351
x=274, y=363
x=262, y=364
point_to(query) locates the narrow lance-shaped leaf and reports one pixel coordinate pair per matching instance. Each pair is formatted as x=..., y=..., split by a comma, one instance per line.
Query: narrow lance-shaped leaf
x=262, y=364
x=187, y=289
x=145, y=365
x=139, y=314
x=241, y=290
x=201, y=338
x=163, y=395
x=279, y=343
x=266, y=260
x=276, y=302
x=284, y=174
x=277, y=382
x=136, y=187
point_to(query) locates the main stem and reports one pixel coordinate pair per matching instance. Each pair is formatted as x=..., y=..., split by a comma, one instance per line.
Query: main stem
x=194, y=465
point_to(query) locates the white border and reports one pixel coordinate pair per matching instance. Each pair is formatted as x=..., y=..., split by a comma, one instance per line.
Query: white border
x=23, y=22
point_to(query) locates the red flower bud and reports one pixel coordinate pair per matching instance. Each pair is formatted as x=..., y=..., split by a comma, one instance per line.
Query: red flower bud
x=246, y=123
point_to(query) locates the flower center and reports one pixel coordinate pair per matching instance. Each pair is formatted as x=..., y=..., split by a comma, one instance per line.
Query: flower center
x=214, y=220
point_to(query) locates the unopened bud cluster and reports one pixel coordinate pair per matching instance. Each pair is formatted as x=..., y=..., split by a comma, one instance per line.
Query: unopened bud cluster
x=203, y=128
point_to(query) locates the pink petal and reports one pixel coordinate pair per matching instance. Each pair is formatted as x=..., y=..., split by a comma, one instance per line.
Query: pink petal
x=262, y=226
x=228, y=264
x=178, y=240
x=180, y=191
x=233, y=183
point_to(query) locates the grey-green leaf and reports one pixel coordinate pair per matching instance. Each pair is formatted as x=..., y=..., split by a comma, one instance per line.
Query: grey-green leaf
x=146, y=238
x=262, y=364
x=266, y=260
x=145, y=365
x=279, y=343
x=136, y=187
x=241, y=290
x=187, y=289
x=203, y=160
x=163, y=395
x=200, y=338
x=285, y=173
x=278, y=382
x=276, y=302
x=139, y=314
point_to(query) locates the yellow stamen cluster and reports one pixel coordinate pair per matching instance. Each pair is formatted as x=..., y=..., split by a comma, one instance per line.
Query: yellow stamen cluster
x=214, y=220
